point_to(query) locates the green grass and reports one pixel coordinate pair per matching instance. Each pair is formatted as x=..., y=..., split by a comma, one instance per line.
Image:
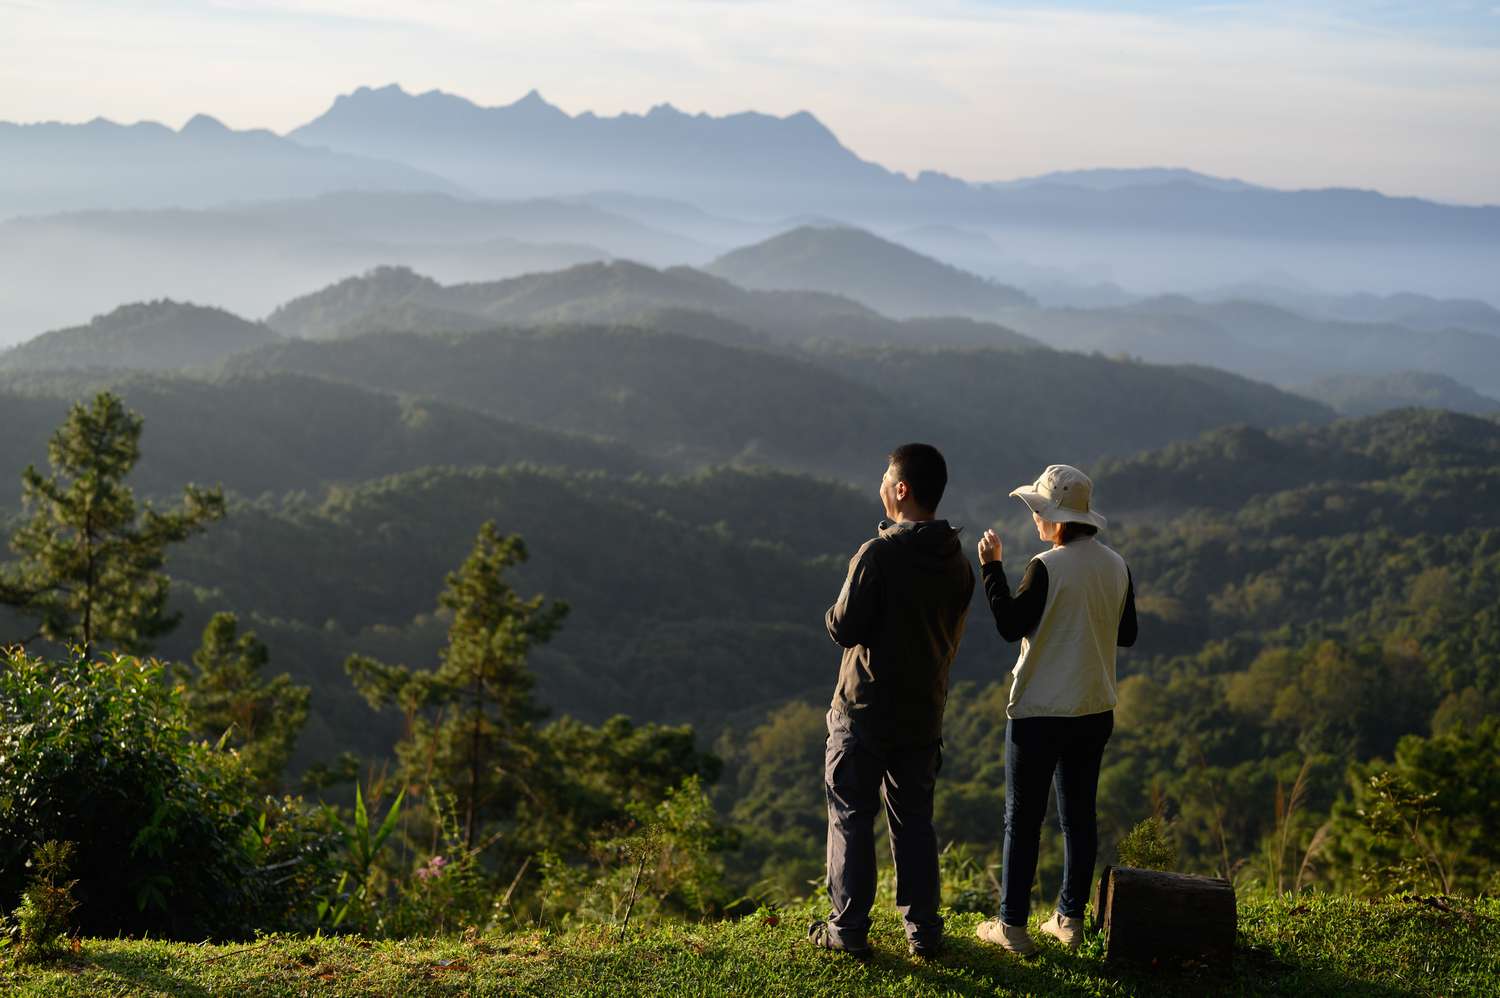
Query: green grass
x=1305, y=946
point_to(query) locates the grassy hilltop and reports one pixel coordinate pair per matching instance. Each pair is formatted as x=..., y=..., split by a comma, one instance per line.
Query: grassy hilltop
x=1313, y=945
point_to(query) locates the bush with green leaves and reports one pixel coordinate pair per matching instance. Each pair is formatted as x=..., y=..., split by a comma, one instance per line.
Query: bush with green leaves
x=664, y=864
x=1148, y=846
x=170, y=839
x=35, y=931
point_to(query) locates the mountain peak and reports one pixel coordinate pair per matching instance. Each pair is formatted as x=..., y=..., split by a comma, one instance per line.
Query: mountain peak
x=205, y=125
x=535, y=104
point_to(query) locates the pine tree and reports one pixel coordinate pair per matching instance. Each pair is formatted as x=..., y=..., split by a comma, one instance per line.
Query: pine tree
x=90, y=568
x=469, y=721
x=227, y=698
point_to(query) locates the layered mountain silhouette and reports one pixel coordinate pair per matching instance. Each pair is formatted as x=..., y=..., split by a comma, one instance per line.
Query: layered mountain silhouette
x=700, y=184
x=677, y=299
x=249, y=258
x=1266, y=341
x=158, y=335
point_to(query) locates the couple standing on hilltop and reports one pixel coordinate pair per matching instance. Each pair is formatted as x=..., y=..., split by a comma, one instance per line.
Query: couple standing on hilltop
x=899, y=618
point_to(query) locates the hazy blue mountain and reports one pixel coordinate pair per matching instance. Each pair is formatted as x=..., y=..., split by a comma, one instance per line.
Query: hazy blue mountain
x=147, y=336
x=59, y=167
x=860, y=265
x=1415, y=311
x=1355, y=395
x=531, y=147
x=1266, y=342
x=249, y=258
x=678, y=216
x=1107, y=179
x=979, y=252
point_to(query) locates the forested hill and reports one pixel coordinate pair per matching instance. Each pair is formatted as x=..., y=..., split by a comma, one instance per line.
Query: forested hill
x=277, y=433
x=158, y=335
x=860, y=265
x=1229, y=468
x=592, y=292
x=825, y=411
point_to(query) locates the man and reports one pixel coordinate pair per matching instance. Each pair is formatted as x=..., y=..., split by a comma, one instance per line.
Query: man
x=899, y=618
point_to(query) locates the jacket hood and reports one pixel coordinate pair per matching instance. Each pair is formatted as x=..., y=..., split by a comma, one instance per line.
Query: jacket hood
x=931, y=543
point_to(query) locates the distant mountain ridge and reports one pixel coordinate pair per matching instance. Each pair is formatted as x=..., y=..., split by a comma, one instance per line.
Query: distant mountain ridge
x=760, y=163
x=506, y=151
x=51, y=167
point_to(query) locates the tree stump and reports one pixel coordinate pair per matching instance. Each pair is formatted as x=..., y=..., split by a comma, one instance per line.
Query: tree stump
x=1150, y=917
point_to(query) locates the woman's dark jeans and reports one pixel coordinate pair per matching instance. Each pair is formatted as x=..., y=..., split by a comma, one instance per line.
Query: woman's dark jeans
x=1064, y=752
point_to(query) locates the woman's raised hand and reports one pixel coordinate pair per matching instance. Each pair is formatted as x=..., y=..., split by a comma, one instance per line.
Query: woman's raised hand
x=990, y=547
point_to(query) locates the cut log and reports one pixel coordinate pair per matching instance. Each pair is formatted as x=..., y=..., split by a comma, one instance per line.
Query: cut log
x=1150, y=917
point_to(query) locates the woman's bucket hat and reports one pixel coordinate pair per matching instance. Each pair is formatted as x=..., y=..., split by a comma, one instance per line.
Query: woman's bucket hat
x=1061, y=495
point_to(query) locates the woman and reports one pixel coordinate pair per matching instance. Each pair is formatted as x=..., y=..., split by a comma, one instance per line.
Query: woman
x=1075, y=604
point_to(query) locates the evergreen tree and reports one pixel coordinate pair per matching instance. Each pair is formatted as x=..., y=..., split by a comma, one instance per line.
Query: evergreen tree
x=469, y=721
x=90, y=568
x=227, y=698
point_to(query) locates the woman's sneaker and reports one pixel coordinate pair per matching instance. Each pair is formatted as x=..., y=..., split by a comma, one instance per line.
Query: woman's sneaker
x=1068, y=931
x=1011, y=938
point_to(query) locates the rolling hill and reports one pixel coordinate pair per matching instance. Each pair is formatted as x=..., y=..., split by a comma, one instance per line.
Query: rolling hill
x=857, y=264
x=148, y=336
x=280, y=433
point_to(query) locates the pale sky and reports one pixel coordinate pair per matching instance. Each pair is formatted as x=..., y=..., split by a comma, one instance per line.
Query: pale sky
x=1400, y=97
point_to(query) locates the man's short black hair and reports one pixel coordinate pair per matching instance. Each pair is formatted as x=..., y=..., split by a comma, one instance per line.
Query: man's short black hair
x=922, y=468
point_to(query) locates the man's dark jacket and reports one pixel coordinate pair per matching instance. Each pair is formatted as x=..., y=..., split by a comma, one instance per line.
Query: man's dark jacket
x=899, y=618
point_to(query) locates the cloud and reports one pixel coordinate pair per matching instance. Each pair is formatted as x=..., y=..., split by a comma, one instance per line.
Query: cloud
x=1291, y=96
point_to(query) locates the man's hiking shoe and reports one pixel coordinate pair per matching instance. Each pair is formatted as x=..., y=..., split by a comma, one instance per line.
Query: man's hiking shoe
x=819, y=935
x=930, y=950
x=1011, y=938
x=1068, y=931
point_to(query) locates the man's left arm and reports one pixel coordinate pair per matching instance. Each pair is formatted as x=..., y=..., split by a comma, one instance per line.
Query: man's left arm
x=851, y=619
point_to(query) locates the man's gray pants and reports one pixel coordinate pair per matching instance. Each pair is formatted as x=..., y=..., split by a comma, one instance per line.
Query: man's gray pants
x=857, y=776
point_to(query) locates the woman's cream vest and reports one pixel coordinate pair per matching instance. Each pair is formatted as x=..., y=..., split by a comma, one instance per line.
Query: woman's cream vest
x=1067, y=665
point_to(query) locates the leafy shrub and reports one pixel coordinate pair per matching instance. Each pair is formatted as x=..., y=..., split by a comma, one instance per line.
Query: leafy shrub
x=663, y=865
x=38, y=927
x=1148, y=846
x=969, y=884
x=169, y=838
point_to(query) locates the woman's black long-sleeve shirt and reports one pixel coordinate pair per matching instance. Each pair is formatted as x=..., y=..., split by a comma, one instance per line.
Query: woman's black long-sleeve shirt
x=1017, y=614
